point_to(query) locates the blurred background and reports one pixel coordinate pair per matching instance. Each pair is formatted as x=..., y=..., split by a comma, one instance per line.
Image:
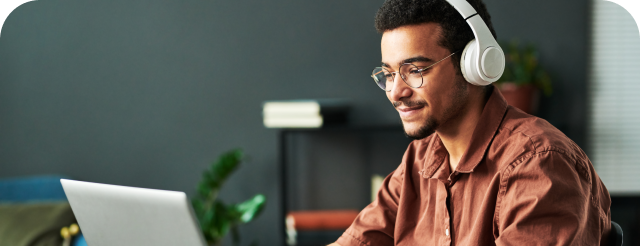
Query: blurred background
x=149, y=93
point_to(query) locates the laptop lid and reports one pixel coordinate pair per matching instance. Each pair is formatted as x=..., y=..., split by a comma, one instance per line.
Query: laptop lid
x=118, y=215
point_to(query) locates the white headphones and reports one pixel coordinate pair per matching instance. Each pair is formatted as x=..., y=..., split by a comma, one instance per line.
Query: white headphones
x=482, y=60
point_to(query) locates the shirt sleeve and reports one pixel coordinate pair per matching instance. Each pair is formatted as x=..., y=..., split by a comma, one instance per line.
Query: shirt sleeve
x=547, y=199
x=375, y=224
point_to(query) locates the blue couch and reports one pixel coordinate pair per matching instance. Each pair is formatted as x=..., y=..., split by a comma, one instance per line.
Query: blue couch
x=32, y=191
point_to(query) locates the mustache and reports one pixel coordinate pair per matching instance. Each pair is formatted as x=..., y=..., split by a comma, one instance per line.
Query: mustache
x=409, y=104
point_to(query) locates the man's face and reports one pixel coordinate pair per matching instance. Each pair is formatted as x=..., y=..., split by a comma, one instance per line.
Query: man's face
x=443, y=94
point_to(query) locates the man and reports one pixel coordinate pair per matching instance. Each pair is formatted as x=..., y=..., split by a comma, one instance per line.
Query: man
x=479, y=172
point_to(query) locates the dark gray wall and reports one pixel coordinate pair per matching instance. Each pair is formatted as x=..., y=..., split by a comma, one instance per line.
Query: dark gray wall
x=560, y=29
x=147, y=93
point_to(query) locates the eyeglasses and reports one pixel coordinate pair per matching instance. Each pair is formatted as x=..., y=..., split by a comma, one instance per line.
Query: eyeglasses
x=410, y=74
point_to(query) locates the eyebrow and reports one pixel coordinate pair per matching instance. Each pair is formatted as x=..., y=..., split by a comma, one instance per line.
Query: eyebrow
x=410, y=60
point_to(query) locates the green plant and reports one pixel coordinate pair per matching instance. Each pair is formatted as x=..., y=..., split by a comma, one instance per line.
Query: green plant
x=522, y=67
x=216, y=218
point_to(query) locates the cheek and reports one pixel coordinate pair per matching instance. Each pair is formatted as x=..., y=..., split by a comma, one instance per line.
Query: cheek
x=435, y=102
x=438, y=95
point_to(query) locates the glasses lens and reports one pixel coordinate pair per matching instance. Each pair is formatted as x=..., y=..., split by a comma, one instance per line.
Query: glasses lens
x=411, y=74
x=383, y=78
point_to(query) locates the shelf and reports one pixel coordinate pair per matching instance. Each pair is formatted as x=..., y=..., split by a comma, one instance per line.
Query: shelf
x=331, y=167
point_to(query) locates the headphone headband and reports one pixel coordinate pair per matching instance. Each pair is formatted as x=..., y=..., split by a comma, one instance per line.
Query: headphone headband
x=483, y=63
x=465, y=9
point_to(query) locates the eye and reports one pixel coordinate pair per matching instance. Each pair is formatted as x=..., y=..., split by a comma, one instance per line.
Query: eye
x=388, y=75
x=415, y=71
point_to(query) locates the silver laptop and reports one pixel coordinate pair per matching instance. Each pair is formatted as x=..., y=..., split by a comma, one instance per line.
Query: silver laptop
x=111, y=215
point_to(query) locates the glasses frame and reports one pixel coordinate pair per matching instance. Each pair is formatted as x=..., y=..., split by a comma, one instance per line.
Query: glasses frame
x=393, y=74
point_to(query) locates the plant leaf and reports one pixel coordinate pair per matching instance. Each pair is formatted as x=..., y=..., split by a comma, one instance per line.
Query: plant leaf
x=217, y=219
x=198, y=207
x=522, y=67
x=222, y=222
x=223, y=167
x=251, y=208
x=207, y=222
x=204, y=190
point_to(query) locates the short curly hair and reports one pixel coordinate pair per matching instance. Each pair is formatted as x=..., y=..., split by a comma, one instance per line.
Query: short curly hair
x=456, y=33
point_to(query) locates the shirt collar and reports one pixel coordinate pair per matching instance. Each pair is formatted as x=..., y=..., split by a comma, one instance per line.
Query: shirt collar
x=487, y=127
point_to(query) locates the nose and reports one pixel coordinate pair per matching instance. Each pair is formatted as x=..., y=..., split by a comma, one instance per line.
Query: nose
x=399, y=90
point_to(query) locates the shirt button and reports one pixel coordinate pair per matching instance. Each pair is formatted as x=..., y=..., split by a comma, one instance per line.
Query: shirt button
x=447, y=232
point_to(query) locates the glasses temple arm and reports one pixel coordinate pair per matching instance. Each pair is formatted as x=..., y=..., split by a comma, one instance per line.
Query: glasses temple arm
x=420, y=70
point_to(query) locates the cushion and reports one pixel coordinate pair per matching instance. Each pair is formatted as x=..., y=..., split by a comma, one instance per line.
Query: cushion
x=34, y=224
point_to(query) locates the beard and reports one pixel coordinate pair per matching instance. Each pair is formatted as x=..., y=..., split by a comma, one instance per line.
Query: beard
x=431, y=124
x=428, y=127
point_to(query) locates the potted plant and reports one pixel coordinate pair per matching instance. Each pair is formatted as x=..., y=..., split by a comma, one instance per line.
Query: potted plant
x=217, y=218
x=523, y=77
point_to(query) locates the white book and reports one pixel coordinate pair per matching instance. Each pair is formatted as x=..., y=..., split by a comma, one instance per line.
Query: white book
x=309, y=113
x=313, y=121
x=291, y=108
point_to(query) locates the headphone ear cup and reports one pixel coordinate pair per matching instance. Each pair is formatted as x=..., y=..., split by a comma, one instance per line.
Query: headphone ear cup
x=493, y=63
x=468, y=64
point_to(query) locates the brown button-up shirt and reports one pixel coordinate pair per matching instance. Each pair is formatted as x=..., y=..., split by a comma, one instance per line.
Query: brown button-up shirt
x=521, y=182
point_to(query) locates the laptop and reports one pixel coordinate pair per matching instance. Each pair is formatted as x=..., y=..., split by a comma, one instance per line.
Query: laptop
x=111, y=215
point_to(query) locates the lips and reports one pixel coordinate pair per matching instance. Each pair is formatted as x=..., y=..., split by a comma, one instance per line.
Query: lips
x=407, y=109
x=408, y=112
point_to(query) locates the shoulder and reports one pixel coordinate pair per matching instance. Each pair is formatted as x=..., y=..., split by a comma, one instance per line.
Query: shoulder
x=522, y=136
x=527, y=144
x=533, y=157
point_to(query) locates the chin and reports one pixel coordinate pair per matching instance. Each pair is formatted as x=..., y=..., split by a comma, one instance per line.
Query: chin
x=410, y=128
x=417, y=131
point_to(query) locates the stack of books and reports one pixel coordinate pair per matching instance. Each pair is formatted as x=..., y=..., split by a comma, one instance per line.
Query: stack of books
x=317, y=227
x=322, y=219
x=304, y=113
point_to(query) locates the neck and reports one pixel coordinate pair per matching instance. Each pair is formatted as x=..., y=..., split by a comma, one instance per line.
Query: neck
x=457, y=132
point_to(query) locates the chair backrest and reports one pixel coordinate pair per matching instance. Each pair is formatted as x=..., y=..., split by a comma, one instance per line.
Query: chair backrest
x=616, y=235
